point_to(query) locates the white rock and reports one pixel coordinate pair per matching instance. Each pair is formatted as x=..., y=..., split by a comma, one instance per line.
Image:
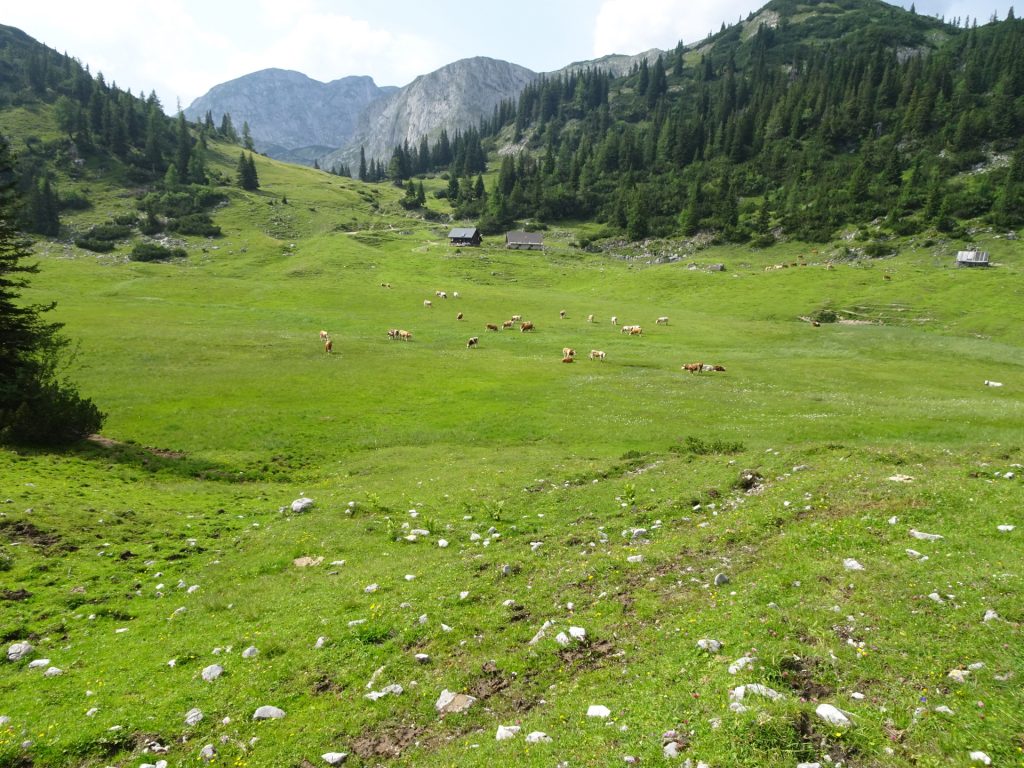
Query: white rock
x=562, y=639
x=922, y=536
x=936, y=597
x=4, y=720
x=852, y=565
x=450, y=702
x=958, y=675
x=212, y=672
x=578, y=633
x=18, y=651
x=740, y=664
x=320, y=642
x=301, y=505
x=36, y=663
x=475, y=536
x=944, y=710
x=540, y=633
x=249, y=652
x=738, y=694
x=1005, y=528
x=334, y=758
x=990, y=615
x=463, y=595
x=635, y=559
x=388, y=690
x=356, y=622
x=670, y=750
x=598, y=710
x=833, y=715
x=893, y=520
x=808, y=765
x=422, y=658
x=709, y=645
x=535, y=545
x=445, y=627
x=193, y=716
x=901, y=479
x=53, y=672
x=371, y=588
x=915, y=554
x=267, y=712
x=208, y=753
x=721, y=579
x=442, y=543
x=537, y=737
x=980, y=757
x=92, y=712
x=976, y=666
x=506, y=732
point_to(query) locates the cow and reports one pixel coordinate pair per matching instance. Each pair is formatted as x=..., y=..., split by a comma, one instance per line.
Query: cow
x=568, y=359
x=693, y=367
x=719, y=368
x=527, y=326
x=507, y=324
x=816, y=324
x=324, y=336
x=590, y=318
x=492, y=327
x=561, y=314
x=473, y=341
x=516, y=318
x=405, y=335
x=385, y=285
x=661, y=321
x=596, y=354
x=615, y=320
x=393, y=333
x=636, y=330
x=458, y=316
x=328, y=346
x=568, y=352
x=441, y=294
x=455, y=294
x=993, y=383
x=428, y=303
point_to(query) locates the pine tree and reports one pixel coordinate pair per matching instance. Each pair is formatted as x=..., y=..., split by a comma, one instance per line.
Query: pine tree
x=246, y=173
x=37, y=406
x=247, y=136
x=362, y=165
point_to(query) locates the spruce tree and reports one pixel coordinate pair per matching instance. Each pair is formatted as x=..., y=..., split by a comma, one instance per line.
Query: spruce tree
x=37, y=406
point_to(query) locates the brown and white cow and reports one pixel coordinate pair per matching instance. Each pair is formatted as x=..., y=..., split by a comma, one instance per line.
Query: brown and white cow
x=328, y=346
x=636, y=330
x=507, y=324
x=473, y=341
x=526, y=326
x=324, y=336
x=561, y=314
x=458, y=316
x=568, y=352
x=393, y=333
x=428, y=303
x=568, y=359
x=596, y=354
x=492, y=327
x=693, y=367
x=405, y=335
x=661, y=321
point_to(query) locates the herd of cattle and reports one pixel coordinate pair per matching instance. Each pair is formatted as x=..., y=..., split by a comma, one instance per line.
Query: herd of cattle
x=568, y=353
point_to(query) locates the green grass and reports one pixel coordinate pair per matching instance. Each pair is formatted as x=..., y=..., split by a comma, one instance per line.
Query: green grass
x=224, y=408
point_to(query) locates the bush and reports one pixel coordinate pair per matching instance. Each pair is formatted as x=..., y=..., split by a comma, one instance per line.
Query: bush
x=127, y=219
x=194, y=224
x=877, y=248
x=155, y=252
x=51, y=413
x=696, y=446
x=92, y=244
x=74, y=201
x=825, y=315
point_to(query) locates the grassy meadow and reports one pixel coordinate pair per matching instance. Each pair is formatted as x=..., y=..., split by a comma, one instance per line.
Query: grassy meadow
x=172, y=539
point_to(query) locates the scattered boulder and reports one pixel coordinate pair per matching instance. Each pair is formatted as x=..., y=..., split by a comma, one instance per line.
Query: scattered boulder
x=53, y=672
x=208, y=753
x=598, y=710
x=721, y=579
x=249, y=652
x=709, y=645
x=833, y=715
x=267, y=712
x=18, y=651
x=922, y=536
x=450, y=702
x=537, y=737
x=980, y=757
x=302, y=504
x=307, y=561
x=506, y=732
x=193, y=716
x=334, y=758
x=212, y=672
x=852, y=565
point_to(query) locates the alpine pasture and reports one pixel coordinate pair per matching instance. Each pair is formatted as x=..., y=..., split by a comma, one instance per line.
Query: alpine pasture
x=465, y=498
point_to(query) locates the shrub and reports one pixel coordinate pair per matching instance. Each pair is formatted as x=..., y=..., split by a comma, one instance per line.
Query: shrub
x=825, y=315
x=877, y=248
x=126, y=219
x=194, y=224
x=74, y=201
x=696, y=446
x=155, y=252
x=50, y=413
x=92, y=244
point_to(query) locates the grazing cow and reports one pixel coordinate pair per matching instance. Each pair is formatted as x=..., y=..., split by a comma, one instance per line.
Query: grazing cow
x=492, y=327
x=455, y=294
x=615, y=320
x=527, y=326
x=596, y=354
x=661, y=321
x=568, y=360
x=887, y=277
x=441, y=294
x=568, y=352
x=324, y=336
x=405, y=335
x=636, y=330
x=561, y=314
x=328, y=346
x=473, y=341
x=458, y=316
x=590, y=318
x=385, y=285
x=393, y=333
x=516, y=318
x=507, y=324
x=428, y=303
x=693, y=367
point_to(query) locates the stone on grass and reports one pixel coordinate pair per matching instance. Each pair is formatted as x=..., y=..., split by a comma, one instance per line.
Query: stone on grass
x=334, y=758
x=922, y=536
x=18, y=651
x=537, y=737
x=540, y=633
x=193, y=716
x=442, y=543
x=635, y=559
x=53, y=672
x=980, y=757
x=721, y=579
x=958, y=675
x=598, y=710
x=852, y=565
x=36, y=663
x=450, y=702
x=422, y=658
x=808, y=765
x=212, y=672
x=562, y=639
x=506, y=732
x=371, y=588
x=755, y=689
x=4, y=720
x=990, y=615
x=1005, y=528
x=740, y=664
x=579, y=634
x=833, y=715
x=709, y=645
x=943, y=709
x=307, y=561
x=208, y=753
x=249, y=652
x=388, y=690
x=302, y=504
x=320, y=642
x=267, y=712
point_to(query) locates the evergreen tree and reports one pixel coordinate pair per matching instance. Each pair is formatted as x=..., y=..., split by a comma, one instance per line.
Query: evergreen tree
x=246, y=173
x=37, y=406
x=246, y=136
x=363, y=173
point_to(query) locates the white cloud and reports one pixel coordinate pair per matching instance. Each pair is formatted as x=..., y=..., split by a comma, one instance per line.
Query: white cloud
x=632, y=26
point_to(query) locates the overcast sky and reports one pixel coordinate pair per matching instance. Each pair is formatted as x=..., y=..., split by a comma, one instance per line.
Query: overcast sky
x=182, y=48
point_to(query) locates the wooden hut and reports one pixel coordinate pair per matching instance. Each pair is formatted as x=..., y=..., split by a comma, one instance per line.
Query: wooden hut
x=524, y=241
x=972, y=259
x=465, y=236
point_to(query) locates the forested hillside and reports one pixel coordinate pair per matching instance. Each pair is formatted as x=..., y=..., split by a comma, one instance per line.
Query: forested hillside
x=805, y=117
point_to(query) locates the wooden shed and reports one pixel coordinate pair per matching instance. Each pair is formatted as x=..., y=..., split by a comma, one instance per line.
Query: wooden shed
x=524, y=241
x=465, y=236
x=972, y=259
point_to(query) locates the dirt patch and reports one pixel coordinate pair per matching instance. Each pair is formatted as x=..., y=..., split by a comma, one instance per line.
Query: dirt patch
x=15, y=595
x=108, y=442
x=518, y=613
x=387, y=741
x=492, y=682
x=587, y=655
x=26, y=533
x=799, y=674
x=324, y=684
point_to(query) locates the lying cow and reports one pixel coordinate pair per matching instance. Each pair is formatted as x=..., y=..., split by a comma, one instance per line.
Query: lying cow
x=328, y=346
x=568, y=359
